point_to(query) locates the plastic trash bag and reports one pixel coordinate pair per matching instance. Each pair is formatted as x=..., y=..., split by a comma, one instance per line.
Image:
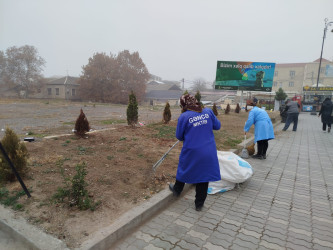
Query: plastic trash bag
x=220, y=186
x=233, y=169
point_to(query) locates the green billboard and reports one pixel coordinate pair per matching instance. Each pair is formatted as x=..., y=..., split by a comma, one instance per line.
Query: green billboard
x=252, y=76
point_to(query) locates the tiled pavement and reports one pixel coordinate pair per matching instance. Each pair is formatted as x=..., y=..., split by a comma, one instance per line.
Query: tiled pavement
x=287, y=204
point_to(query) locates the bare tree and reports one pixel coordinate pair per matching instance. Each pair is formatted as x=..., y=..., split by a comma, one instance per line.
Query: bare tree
x=23, y=67
x=110, y=78
x=99, y=79
x=199, y=84
x=133, y=75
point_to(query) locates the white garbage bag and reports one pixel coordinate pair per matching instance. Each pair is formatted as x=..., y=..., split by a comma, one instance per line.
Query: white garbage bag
x=233, y=168
x=220, y=186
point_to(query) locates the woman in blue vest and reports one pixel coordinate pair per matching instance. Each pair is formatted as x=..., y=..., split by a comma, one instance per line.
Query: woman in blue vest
x=198, y=163
x=263, y=129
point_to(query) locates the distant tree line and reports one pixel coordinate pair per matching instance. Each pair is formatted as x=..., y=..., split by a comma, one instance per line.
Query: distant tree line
x=20, y=69
x=106, y=78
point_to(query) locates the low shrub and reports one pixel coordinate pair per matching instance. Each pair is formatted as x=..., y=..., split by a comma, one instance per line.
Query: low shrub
x=237, y=109
x=215, y=110
x=227, y=110
x=81, y=125
x=17, y=153
x=166, y=113
x=75, y=192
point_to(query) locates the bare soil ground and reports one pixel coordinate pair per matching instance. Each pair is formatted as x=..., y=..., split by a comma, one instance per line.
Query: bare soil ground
x=118, y=160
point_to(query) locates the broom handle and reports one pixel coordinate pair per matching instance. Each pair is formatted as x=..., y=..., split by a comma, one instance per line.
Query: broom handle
x=163, y=157
x=244, y=136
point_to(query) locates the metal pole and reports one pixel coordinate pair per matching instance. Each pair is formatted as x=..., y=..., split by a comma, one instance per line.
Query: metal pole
x=321, y=55
x=241, y=101
x=14, y=170
x=270, y=100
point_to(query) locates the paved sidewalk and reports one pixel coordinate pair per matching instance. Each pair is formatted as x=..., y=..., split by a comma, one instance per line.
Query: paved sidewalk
x=287, y=204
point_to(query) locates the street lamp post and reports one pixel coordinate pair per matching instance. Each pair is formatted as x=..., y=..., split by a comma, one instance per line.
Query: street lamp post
x=321, y=53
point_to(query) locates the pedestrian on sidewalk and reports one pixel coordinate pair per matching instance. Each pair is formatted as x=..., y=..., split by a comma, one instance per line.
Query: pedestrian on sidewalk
x=292, y=109
x=198, y=162
x=326, y=114
x=263, y=130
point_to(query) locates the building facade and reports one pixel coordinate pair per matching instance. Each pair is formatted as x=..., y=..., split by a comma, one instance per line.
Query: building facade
x=63, y=88
x=294, y=78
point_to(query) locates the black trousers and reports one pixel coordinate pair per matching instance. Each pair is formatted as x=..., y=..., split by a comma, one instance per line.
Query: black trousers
x=324, y=125
x=200, y=191
x=262, y=147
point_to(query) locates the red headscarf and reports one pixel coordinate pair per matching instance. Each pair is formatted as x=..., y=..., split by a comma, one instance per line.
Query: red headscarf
x=188, y=102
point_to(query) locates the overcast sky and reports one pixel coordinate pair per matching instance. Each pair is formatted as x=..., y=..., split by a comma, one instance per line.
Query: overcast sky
x=175, y=38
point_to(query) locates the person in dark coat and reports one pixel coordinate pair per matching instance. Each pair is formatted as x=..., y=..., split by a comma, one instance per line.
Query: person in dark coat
x=326, y=114
x=292, y=109
x=198, y=162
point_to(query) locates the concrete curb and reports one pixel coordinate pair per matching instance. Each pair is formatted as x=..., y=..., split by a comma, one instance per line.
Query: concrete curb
x=17, y=236
x=29, y=235
x=107, y=236
x=90, y=132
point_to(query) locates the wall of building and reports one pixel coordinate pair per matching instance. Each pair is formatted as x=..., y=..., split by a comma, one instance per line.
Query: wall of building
x=311, y=74
x=292, y=77
x=288, y=77
x=61, y=92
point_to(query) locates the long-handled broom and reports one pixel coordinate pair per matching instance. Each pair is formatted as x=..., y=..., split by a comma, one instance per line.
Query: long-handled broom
x=163, y=157
x=244, y=154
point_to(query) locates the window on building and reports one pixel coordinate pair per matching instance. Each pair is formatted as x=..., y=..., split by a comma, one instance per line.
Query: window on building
x=73, y=92
x=292, y=73
x=276, y=73
x=274, y=84
x=291, y=84
x=57, y=91
x=280, y=85
x=49, y=91
x=322, y=70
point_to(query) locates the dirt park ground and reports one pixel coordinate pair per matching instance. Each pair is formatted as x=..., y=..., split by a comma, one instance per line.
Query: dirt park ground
x=118, y=160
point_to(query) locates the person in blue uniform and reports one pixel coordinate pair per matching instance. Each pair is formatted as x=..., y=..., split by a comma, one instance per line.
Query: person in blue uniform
x=198, y=162
x=263, y=130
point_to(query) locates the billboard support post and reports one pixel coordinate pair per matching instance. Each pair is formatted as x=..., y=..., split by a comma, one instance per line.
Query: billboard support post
x=241, y=101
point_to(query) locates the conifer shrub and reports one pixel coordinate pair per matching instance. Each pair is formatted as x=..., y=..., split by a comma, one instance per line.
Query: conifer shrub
x=166, y=113
x=227, y=110
x=81, y=125
x=132, y=110
x=215, y=110
x=198, y=96
x=17, y=153
x=237, y=109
